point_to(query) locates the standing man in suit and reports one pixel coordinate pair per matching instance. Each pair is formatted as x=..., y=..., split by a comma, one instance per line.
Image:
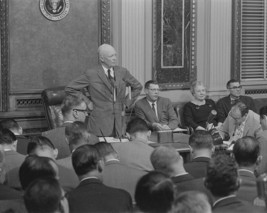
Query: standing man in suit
x=106, y=85
x=157, y=111
x=92, y=195
x=246, y=152
x=201, y=144
x=225, y=104
x=240, y=122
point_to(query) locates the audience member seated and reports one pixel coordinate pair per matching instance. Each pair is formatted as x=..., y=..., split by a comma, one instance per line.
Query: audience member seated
x=191, y=202
x=136, y=153
x=262, y=138
x=116, y=174
x=157, y=111
x=198, y=112
x=169, y=161
x=240, y=122
x=92, y=195
x=6, y=193
x=76, y=135
x=8, y=143
x=154, y=193
x=45, y=195
x=223, y=182
x=17, y=130
x=246, y=152
x=73, y=109
x=225, y=104
x=201, y=143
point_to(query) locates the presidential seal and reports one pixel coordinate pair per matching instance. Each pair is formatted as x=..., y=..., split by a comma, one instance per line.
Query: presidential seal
x=54, y=10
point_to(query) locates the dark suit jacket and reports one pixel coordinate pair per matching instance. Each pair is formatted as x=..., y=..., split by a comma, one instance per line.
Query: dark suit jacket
x=234, y=205
x=93, y=196
x=7, y=193
x=248, y=188
x=135, y=154
x=166, y=114
x=224, y=105
x=22, y=144
x=197, y=167
x=105, y=112
x=118, y=175
x=13, y=159
x=57, y=136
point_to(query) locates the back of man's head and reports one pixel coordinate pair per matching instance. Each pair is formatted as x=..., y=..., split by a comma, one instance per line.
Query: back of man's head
x=85, y=160
x=105, y=150
x=201, y=139
x=191, y=202
x=137, y=125
x=222, y=176
x=166, y=160
x=42, y=146
x=35, y=167
x=240, y=107
x=69, y=103
x=45, y=195
x=12, y=125
x=77, y=135
x=7, y=137
x=154, y=192
x=246, y=151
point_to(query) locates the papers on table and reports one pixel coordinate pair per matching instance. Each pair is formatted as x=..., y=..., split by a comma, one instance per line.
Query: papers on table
x=112, y=139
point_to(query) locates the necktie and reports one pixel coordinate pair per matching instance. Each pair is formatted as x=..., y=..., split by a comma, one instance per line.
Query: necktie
x=153, y=107
x=109, y=76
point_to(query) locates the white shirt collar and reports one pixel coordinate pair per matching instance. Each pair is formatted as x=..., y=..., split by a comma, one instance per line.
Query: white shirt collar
x=106, y=71
x=223, y=198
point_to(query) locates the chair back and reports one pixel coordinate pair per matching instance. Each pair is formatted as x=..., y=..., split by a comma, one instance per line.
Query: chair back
x=52, y=100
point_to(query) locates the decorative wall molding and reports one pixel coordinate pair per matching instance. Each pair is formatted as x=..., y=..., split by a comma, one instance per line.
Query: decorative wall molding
x=105, y=21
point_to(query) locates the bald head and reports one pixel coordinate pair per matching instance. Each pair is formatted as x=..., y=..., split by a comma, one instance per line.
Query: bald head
x=107, y=55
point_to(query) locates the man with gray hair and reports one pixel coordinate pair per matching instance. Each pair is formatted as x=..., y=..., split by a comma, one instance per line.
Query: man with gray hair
x=106, y=85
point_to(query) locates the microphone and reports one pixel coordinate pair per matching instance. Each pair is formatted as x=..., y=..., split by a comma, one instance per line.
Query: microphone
x=211, y=116
x=103, y=135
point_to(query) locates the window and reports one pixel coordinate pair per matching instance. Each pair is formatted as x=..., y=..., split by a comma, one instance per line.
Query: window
x=249, y=41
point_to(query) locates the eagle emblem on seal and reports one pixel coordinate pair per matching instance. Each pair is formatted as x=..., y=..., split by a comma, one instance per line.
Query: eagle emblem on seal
x=54, y=10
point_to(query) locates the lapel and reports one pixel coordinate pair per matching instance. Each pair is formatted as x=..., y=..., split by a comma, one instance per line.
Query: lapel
x=104, y=78
x=150, y=111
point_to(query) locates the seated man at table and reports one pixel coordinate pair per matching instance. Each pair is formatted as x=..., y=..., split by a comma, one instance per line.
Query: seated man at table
x=240, y=122
x=224, y=104
x=157, y=111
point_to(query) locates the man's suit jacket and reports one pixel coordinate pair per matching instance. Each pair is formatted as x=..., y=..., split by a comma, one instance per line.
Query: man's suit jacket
x=235, y=205
x=93, y=196
x=106, y=112
x=224, y=106
x=197, y=167
x=7, y=193
x=135, y=154
x=166, y=114
x=248, y=187
x=262, y=138
x=22, y=144
x=252, y=126
x=57, y=136
x=118, y=175
x=66, y=162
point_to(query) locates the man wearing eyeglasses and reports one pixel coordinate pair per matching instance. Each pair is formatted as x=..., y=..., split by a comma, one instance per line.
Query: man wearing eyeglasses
x=157, y=111
x=225, y=104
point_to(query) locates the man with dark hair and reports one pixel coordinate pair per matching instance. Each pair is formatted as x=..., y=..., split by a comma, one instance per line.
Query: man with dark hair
x=76, y=135
x=225, y=104
x=14, y=127
x=136, y=153
x=223, y=182
x=157, y=111
x=92, y=195
x=106, y=85
x=262, y=168
x=8, y=143
x=191, y=202
x=154, y=193
x=45, y=195
x=240, y=122
x=116, y=174
x=169, y=161
x=73, y=109
x=246, y=152
x=201, y=143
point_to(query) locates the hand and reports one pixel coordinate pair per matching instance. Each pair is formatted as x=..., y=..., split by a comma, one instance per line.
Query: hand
x=157, y=126
x=165, y=127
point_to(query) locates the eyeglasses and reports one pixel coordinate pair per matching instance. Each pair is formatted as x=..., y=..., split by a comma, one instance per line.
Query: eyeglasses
x=85, y=111
x=239, y=87
x=154, y=90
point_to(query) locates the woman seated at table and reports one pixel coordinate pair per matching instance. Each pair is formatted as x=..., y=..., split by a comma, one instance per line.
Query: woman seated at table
x=200, y=110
